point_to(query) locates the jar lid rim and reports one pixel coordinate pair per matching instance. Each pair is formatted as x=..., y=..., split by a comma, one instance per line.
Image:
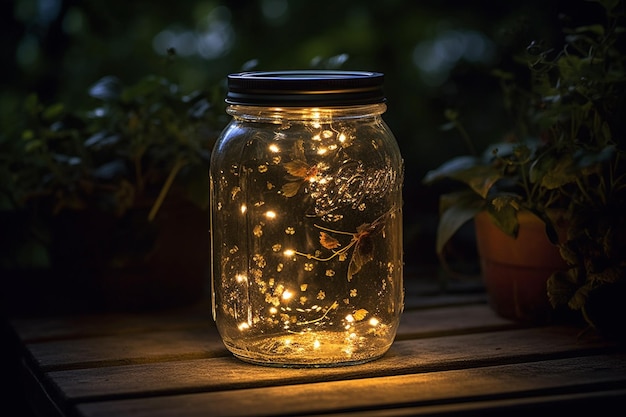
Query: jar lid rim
x=305, y=87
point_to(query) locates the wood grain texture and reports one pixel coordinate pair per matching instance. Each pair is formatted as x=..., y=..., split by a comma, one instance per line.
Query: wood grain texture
x=404, y=357
x=200, y=340
x=455, y=386
x=452, y=356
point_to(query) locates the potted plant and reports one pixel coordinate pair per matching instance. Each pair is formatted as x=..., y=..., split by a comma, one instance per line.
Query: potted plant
x=564, y=165
x=105, y=208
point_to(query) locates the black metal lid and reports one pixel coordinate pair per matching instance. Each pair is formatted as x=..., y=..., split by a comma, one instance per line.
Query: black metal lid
x=305, y=88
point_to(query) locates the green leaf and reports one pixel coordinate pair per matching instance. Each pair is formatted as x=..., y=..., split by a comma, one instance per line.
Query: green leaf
x=106, y=88
x=540, y=167
x=28, y=134
x=110, y=170
x=451, y=115
x=579, y=298
x=588, y=159
x=449, y=168
x=101, y=139
x=31, y=104
x=597, y=29
x=67, y=159
x=480, y=178
x=53, y=112
x=145, y=87
x=456, y=209
x=466, y=169
x=551, y=231
x=506, y=150
x=609, y=5
x=569, y=66
x=552, y=171
x=199, y=109
x=33, y=145
x=503, y=210
x=561, y=287
x=447, y=126
x=608, y=275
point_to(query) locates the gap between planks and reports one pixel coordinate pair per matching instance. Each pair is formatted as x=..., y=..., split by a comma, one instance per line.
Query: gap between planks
x=459, y=387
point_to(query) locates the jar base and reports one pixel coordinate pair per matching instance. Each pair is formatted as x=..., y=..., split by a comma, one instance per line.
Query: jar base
x=310, y=350
x=306, y=365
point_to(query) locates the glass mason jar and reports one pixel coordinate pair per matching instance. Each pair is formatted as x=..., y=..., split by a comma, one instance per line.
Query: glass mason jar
x=306, y=220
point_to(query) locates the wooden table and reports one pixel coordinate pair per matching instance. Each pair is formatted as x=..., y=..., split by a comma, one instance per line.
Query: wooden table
x=452, y=356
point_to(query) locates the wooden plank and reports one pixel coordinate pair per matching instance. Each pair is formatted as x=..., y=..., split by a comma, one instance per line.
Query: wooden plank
x=609, y=402
x=410, y=356
x=425, y=289
x=574, y=404
x=136, y=348
x=34, y=330
x=202, y=341
x=570, y=375
x=417, y=301
x=452, y=320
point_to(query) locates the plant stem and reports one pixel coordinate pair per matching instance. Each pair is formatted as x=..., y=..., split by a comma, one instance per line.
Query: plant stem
x=138, y=173
x=166, y=187
x=466, y=138
x=583, y=191
x=333, y=306
x=529, y=191
x=333, y=231
x=335, y=254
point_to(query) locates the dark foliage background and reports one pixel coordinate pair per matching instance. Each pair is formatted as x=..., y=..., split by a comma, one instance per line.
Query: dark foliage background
x=435, y=54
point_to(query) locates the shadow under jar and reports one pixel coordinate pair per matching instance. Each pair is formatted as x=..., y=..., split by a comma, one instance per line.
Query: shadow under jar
x=306, y=220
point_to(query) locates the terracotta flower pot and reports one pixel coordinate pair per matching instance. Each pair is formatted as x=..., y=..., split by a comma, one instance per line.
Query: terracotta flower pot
x=515, y=271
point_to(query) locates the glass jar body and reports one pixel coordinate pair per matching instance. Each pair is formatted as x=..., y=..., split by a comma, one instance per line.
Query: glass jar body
x=306, y=229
